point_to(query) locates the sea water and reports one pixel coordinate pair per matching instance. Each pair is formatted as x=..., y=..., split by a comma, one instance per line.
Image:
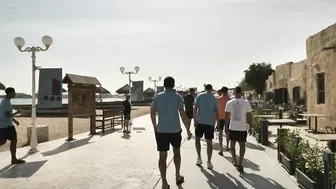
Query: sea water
x=27, y=101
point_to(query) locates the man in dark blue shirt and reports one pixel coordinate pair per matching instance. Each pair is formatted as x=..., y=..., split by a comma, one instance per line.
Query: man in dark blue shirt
x=126, y=109
x=7, y=129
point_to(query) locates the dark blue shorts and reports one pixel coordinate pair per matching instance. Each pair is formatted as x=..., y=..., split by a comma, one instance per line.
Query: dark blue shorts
x=127, y=116
x=8, y=133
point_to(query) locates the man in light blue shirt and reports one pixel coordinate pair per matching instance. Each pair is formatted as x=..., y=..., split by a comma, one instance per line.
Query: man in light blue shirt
x=206, y=113
x=168, y=105
x=7, y=129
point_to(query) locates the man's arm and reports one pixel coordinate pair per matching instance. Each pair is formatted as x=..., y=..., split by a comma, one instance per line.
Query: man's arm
x=185, y=119
x=195, y=111
x=8, y=114
x=217, y=112
x=227, y=113
x=153, y=109
x=249, y=116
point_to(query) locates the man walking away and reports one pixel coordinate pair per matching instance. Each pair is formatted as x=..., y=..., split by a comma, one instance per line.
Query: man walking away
x=126, y=110
x=168, y=130
x=240, y=111
x=189, y=100
x=222, y=101
x=205, y=115
x=7, y=129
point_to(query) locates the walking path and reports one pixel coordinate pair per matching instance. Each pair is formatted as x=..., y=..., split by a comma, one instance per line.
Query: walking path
x=116, y=161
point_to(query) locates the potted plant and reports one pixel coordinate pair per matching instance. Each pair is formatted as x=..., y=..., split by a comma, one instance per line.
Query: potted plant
x=333, y=169
x=289, y=151
x=309, y=171
x=256, y=126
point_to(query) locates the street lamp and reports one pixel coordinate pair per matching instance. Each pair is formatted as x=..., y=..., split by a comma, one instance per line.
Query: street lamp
x=129, y=73
x=154, y=81
x=20, y=42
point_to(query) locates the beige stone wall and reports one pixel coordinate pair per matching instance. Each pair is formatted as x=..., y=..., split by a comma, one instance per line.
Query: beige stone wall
x=298, y=78
x=322, y=61
x=270, y=83
x=282, y=75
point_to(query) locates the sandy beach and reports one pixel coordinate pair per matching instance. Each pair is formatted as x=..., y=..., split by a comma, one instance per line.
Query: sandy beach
x=58, y=127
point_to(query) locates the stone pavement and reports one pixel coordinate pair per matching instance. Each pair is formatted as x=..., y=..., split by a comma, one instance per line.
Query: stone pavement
x=116, y=161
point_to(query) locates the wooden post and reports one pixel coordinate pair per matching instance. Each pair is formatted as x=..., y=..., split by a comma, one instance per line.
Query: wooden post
x=70, y=113
x=70, y=128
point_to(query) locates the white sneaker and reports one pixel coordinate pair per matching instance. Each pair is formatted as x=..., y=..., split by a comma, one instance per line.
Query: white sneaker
x=199, y=161
x=210, y=166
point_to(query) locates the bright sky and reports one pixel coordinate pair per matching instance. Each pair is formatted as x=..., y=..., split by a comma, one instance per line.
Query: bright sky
x=195, y=41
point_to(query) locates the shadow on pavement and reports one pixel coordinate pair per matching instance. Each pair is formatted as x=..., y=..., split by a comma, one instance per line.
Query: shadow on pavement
x=24, y=170
x=109, y=131
x=253, y=146
x=217, y=180
x=126, y=136
x=138, y=128
x=68, y=146
x=257, y=181
x=246, y=163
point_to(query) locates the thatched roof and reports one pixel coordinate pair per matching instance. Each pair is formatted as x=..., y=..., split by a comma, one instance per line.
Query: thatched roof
x=2, y=86
x=102, y=90
x=79, y=79
x=149, y=91
x=123, y=90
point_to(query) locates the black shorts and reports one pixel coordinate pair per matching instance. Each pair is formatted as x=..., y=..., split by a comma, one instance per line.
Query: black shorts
x=222, y=124
x=206, y=130
x=239, y=136
x=8, y=133
x=190, y=114
x=127, y=116
x=163, y=140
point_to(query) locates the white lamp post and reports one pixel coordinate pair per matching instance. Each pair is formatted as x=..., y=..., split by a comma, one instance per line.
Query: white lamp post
x=129, y=73
x=154, y=81
x=19, y=42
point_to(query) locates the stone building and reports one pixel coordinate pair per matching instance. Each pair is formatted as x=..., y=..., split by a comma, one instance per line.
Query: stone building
x=321, y=75
x=312, y=80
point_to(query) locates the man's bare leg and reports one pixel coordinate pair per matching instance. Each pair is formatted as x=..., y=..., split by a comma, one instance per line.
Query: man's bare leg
x=126, y=125
x=227, y=140
x=242, y=149
x=198, y=147
x=177, y=161
x=220, y=136
x=198, y=150
x=163, y=168
x=233, y=152
x=209, y=152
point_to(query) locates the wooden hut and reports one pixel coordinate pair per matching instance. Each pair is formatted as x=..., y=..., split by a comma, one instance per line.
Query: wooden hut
x=123, y=90
x=149, y=93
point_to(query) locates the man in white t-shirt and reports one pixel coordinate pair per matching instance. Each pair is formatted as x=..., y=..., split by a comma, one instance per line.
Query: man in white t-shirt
x=240, y=125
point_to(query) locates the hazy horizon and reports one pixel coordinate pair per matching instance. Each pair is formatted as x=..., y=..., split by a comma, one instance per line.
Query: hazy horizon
x=195, y=41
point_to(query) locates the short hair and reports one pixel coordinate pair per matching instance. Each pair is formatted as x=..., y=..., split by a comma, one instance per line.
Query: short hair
x=169, y=82
x=238, y=90
x=219, y=91
x=224, y=89
x=192, y=90
x=9, y=90
x=208, y=87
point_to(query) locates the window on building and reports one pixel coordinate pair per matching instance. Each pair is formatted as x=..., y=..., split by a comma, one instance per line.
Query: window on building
x=320, y=86
x=296, y=94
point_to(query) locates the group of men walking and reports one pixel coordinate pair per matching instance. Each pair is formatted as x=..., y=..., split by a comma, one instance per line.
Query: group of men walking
x=210, y=113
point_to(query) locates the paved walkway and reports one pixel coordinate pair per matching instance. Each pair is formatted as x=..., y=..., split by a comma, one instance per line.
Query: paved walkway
x=116, y=161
